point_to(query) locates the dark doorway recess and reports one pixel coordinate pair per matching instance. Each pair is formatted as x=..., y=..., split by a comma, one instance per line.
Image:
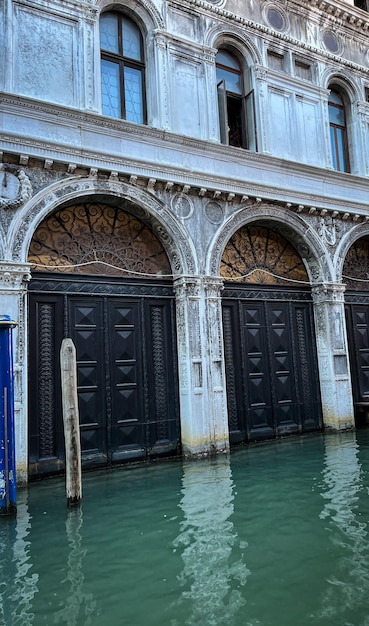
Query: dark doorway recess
x=355, y=275
x=271, y=364
x=126, y=367
x=357, y=322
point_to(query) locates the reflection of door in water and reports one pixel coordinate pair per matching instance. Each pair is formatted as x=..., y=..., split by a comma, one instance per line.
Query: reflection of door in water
x=126, y=379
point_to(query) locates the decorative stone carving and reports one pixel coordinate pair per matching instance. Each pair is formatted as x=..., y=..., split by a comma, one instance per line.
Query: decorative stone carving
x=214, y=212
x=328, y=229
x=182, y=205
x=15, y=188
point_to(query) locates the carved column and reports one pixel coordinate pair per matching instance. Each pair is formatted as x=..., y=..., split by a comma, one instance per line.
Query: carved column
x=333, y=358
x=13, y=292
x=203, y=407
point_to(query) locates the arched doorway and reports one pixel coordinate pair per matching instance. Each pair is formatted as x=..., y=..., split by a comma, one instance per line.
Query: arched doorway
x=101, y=277
x=270, y=352
x=355, y=275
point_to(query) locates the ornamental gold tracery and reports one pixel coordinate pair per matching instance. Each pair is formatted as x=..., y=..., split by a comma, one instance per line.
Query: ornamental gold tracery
x=258, y=255
x=356, y=266
x=95, y=239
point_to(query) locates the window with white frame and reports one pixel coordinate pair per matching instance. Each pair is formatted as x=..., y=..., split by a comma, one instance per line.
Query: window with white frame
x=236, y=107
x=122, y=68
x=338, y=131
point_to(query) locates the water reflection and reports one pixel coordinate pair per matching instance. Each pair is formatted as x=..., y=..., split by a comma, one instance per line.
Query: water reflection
x=79, y=606
x=213, y=572
x=343, y=481
x=18, y=585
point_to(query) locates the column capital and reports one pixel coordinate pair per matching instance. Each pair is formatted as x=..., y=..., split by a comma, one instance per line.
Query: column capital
x=189, y=286
x=14, y=276
x=328, y=292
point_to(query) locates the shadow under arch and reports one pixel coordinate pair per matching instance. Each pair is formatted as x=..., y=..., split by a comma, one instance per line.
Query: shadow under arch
x=140, y=203
x=292, y=227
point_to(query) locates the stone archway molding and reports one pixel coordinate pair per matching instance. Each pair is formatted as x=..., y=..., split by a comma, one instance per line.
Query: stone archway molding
x=143, y=205
x=357, y=232
x=293, y=227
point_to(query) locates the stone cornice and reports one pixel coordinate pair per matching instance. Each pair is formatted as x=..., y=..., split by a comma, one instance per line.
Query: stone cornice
x=334, y=191
x=335, y=9
x=338, y=12
x=68, y=9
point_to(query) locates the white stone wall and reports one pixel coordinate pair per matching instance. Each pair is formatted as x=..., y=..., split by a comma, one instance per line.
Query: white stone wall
x=58, y=146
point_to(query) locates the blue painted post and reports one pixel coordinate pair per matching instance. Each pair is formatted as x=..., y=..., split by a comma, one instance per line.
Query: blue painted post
x=8, y=498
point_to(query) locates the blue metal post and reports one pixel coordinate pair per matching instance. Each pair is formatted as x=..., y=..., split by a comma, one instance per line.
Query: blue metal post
x=8, y=498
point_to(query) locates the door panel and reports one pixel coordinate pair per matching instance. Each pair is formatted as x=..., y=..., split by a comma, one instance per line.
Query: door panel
x=357, y=317
x=286, y=416
x=126, y=376
x=86, y=331
x=259, y=401
x=270, y=356
x=127, y=380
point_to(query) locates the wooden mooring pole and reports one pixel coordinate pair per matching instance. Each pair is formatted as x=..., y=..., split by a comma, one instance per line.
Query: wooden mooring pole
x=68, y=368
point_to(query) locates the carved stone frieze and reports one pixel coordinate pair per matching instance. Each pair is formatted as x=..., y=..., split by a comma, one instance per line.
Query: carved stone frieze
x=328, y=293
x=14, y=276
x=329, y=229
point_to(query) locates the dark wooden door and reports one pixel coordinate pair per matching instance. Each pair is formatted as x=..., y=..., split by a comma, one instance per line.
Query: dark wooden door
x=357, y=319
x=271, y=368
x=126, y=372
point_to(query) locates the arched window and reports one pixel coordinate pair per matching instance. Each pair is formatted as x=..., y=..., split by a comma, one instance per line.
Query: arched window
x=338, y=132
x=236, y=108
x=122, y=68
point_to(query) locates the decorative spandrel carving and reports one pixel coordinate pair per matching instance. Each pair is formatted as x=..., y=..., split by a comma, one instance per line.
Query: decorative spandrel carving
x=97, y=239
x=356, y=266
x=255, y=254
x=15, y=188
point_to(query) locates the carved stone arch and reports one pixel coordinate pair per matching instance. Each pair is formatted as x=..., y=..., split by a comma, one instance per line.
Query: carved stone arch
x=360, y=231
x=344, y=80
x=2, y=242
x=138, y=202
x=237, y=39
x=144, y=10
x=292, y=227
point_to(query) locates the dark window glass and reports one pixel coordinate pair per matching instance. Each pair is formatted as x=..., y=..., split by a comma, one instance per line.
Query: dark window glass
x=236, y=108
x=338, y=133
x=362, y=4
x=122, y=68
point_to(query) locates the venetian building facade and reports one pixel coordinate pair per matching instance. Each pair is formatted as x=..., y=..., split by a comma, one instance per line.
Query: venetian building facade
x=184, y=192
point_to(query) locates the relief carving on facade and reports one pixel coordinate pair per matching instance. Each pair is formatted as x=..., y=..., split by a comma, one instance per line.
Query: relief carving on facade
x=329, y=229
x=15, y=188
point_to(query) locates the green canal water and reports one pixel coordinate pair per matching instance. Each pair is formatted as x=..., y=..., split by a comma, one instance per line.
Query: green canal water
x=275, y=535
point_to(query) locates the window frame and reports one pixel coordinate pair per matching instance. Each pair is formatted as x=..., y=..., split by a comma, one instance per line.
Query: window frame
x=335, y=140
x=123, y=62
x=246, y=104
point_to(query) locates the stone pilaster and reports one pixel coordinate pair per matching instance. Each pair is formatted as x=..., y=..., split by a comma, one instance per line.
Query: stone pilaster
x=13, y=293
x=333, y=358
x=203, y=407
